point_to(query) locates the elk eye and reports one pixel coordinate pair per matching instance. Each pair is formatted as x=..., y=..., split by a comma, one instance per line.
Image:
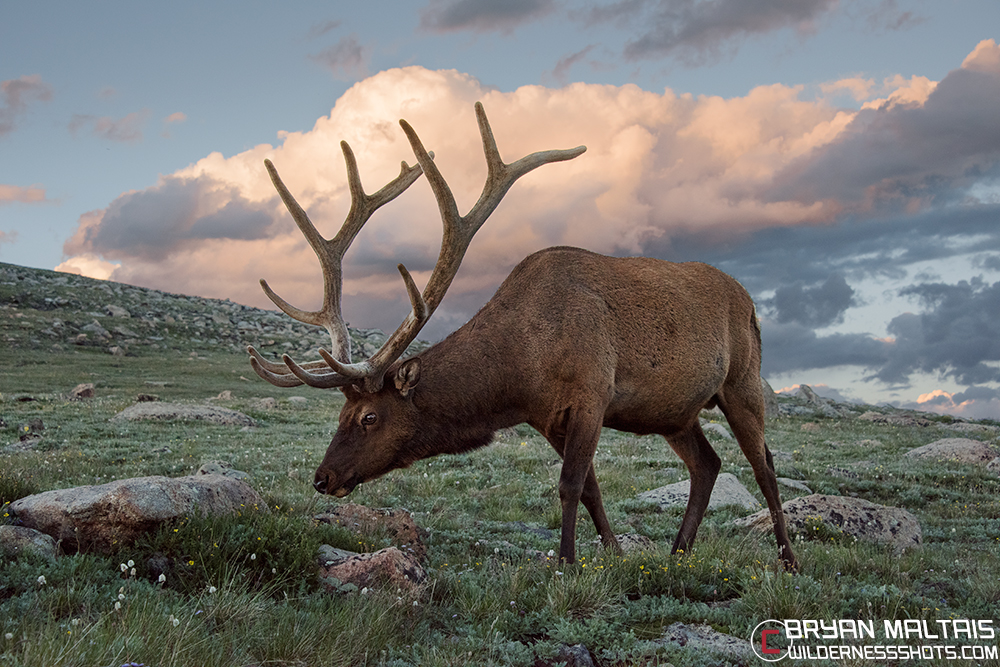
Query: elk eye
x=368, y=419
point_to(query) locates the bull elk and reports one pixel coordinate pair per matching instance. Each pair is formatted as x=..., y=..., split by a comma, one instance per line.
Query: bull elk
x=571, y=341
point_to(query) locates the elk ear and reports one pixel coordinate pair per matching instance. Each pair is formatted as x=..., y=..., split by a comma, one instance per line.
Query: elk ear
x=407, y=376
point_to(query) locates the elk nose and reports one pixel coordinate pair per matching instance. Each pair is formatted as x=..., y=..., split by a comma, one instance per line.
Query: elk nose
x=320, y=484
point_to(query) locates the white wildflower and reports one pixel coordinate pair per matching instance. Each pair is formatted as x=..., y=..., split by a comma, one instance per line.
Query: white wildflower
x=253, y=556
x=9, y=636
x=131, y=563
x=162, y=579
x=123, y=567
x=118, y=606
x=41, y=580
x=212, y=589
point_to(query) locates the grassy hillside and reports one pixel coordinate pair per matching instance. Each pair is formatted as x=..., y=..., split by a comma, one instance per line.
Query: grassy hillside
x=243, y=590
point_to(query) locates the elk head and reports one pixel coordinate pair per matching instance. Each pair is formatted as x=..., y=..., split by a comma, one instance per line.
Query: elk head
x=379, y=417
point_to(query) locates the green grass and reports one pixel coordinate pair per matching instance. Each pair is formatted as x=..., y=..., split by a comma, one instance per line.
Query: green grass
x=243, y=590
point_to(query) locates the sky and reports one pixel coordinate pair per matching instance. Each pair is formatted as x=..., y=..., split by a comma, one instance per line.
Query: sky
x=841, y=158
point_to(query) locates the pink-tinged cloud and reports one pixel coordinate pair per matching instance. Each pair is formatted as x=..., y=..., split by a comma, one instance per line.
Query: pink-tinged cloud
x=973, y=403
x=16, y=95
x=33, y=194
x=658, y=167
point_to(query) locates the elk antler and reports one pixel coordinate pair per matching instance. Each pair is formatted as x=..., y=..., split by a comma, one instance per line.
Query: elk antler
x=458, y=233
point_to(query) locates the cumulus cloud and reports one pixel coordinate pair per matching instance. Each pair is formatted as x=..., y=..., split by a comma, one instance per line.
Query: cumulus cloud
x=904, y=155
x=32, y=194
x=815, y=307
x=957, y=334
x=16, y=95
x=482, y=15
x=667, y=175
x=976, y=402
x=127, y=129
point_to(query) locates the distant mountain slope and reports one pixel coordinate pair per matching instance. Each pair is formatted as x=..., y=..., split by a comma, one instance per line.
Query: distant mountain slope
x=41, y=309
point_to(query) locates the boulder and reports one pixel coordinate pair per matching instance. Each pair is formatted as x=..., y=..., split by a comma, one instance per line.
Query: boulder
x=161, y=410
x=116, y=311
x=18, y=541
x=727, y=491
x=97, y=518
x=403, y=531
x=962, y=450
x=771, y=407
x=852, y=516
x=386, y=568
x=82, y=391
x=697, y=639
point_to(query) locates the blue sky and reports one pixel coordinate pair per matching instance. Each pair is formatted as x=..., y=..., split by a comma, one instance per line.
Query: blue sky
x=840, y=158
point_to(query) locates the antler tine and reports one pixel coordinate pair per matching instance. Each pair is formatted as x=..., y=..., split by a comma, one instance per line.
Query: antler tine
x=458, y=229
x=458, y=233
x=330, y=254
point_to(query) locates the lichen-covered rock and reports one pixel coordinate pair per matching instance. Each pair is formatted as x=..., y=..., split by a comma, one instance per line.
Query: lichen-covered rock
x=386, y=568
x=962, y=450
x=97, y=518
x=853, y=516
x=18, y=541
x=699, y=639
x=727, y=491
x=182, y=411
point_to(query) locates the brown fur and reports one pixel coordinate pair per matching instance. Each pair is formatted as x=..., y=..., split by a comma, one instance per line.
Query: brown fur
x=573, y=341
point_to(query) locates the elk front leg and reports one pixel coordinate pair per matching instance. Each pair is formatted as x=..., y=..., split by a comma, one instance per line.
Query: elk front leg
x=703, y=465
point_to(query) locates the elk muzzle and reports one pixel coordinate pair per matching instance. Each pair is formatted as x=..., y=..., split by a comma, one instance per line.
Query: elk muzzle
x=330, y=485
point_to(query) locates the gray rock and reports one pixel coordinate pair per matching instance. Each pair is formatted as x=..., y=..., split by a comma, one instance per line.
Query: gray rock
x=962, y=450
x=182, y=411
x=853, y=516
x=19, y=541
x=116, y=311
x=727, y=491
x=575, y=656
x=794, y=484
x=994, y=466
x=771, y=407
x=701, y=639
x=329, y=555
x=95, y=518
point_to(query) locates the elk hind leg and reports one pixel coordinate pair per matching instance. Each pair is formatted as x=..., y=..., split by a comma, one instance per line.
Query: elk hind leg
x=703, y=466
x=746, y=419
x=577, y=481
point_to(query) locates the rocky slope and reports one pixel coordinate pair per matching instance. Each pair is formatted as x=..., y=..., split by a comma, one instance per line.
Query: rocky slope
x=45, y=310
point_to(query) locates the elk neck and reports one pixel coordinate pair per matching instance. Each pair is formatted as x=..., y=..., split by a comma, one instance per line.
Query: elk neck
x=464, y=395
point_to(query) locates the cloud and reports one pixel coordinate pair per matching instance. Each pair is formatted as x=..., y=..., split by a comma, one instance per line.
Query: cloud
x=33, y=194
x=16, y=94
x=699, y=32
x=127, y=129
x=974, y=403
x=482, y=15
x=905, y=155
x=957, y=335
x=90, y=266
x=668, y=175
x=176, y=117
x=347, y=59
x=815, y=307
x=7, y=237
x=323, y=28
